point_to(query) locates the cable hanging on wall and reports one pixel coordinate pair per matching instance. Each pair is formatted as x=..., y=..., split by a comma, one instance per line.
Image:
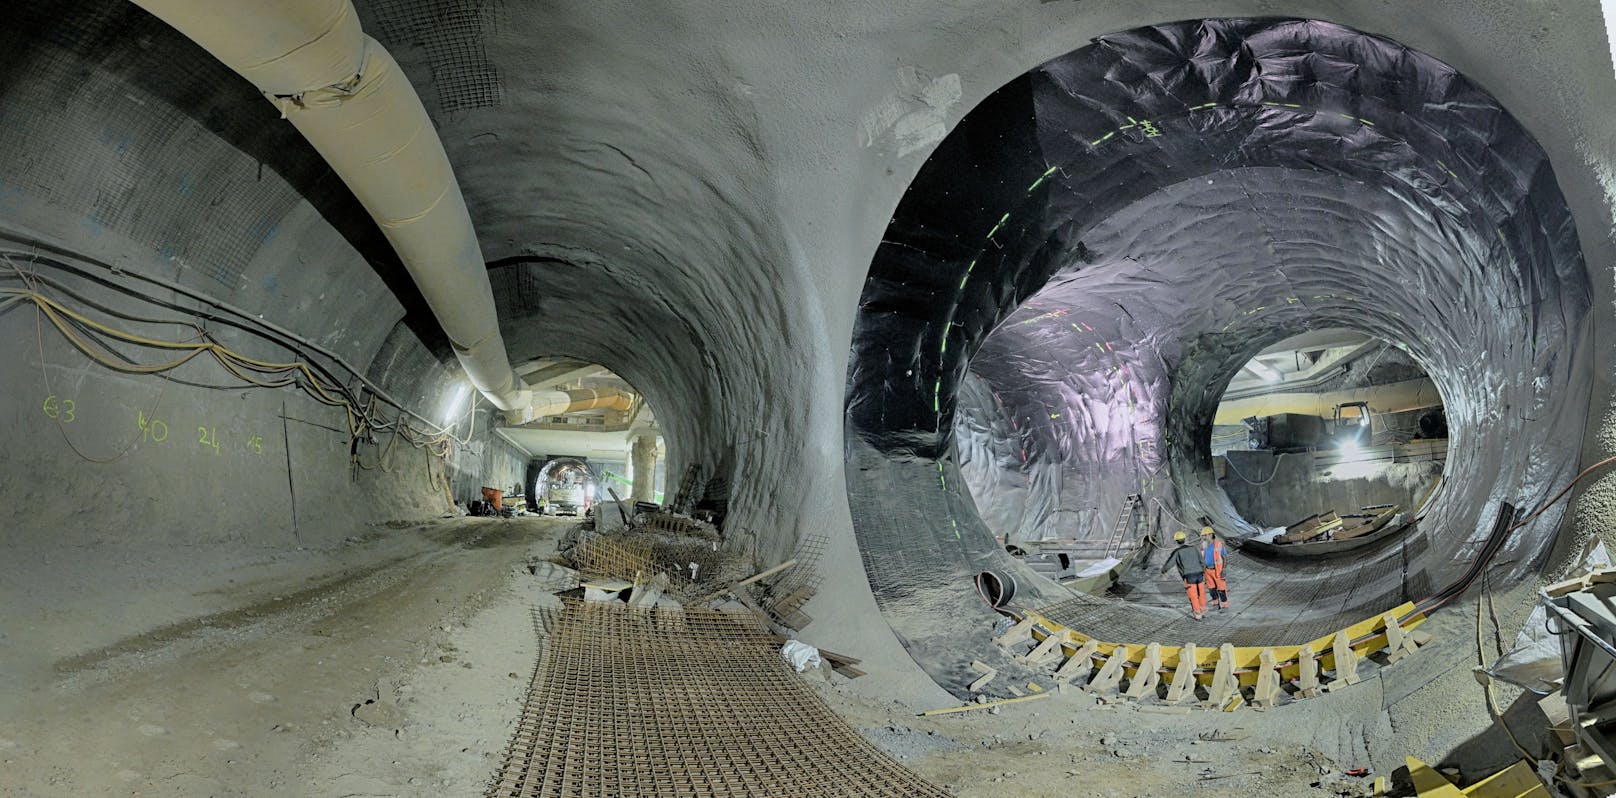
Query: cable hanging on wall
x=95, y=340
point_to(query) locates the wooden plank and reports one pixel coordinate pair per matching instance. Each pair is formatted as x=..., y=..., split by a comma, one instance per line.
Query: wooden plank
x=986, y=671
x=1145, y=676
x=747, y=581
x=1017, y=633
x=1308, y=676
x=986, y=705
x=1346, y=662
x=1043, y=650
x=1182, y=687
x=1110, y=674
x=1079, y=663
x=1266, y=692
x=1224, y=683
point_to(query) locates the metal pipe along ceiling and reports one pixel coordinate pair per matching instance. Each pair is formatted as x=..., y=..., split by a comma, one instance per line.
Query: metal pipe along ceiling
x=344, y=92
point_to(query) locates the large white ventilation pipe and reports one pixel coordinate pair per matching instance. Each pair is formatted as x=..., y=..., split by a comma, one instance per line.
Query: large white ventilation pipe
x=555, y=403
x=348, y=97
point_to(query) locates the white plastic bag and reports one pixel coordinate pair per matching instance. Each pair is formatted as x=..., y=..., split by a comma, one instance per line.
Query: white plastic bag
x=801, y=655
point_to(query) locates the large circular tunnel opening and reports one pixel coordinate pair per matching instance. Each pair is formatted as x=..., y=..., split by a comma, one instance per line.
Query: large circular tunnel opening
x=1082, y=267
x=1327, y=437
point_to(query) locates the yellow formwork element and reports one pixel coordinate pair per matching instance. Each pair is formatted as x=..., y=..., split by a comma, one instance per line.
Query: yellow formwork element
x=1516, y=781
x=1367, y=636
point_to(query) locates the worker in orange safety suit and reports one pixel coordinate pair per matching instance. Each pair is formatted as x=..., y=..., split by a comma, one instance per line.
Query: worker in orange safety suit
x=1187, y=559
x=1212, y=561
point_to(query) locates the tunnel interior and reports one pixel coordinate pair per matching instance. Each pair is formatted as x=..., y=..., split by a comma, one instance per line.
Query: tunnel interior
x=1087, y=261
x=916, y=290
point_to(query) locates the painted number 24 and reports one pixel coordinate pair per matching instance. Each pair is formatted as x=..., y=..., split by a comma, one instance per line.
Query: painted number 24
x=209, y=437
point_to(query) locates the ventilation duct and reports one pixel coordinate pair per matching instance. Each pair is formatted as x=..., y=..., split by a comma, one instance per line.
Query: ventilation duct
x=556, y=403
x=349, y=98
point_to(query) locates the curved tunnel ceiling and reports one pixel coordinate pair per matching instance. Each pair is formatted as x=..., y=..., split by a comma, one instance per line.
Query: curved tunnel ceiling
x=1083, y=265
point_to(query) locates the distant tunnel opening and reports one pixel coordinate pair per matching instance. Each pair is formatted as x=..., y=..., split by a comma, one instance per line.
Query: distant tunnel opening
x=1083, y=266
x=1327, y=437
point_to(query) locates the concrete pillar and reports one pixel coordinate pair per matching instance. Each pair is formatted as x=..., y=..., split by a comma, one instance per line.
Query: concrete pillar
x=644, y=454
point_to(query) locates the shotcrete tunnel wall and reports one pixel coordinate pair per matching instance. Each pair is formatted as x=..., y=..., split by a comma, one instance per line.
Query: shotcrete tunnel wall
x=122, y=163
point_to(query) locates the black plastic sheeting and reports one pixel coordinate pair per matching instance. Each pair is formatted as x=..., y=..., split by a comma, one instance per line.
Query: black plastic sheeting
x=1087, y=260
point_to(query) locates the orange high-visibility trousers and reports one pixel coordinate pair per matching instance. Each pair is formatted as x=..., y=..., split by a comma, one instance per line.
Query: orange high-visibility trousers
x=1196, y=590
x=1215, y=586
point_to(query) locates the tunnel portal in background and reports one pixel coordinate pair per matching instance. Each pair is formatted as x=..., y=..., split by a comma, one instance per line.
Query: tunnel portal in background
x=1082, y=267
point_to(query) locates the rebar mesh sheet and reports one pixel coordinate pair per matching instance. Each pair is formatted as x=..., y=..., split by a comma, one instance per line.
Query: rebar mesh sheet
x=692, y=703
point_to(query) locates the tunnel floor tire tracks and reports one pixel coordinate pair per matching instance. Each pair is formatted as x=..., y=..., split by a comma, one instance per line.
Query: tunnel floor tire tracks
x=262, y=619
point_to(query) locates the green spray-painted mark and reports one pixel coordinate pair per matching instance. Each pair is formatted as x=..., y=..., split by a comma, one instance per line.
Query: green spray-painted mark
x=1504, y=242
x=1203, y=105
x=1041, y=179
x=1002, y=220
x=1101, y=140
x=937, y=398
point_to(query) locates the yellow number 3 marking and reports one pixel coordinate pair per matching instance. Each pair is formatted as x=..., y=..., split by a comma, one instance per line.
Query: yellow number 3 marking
x=61, y=410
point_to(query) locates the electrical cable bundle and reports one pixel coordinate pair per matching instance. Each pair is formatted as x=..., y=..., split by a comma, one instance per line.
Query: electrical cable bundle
x=95, y=339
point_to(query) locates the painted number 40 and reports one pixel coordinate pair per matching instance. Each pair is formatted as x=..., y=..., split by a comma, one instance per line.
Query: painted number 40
x=150, y=428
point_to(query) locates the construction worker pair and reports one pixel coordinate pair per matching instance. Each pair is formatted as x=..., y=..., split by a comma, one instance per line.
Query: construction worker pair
x=1209, y=582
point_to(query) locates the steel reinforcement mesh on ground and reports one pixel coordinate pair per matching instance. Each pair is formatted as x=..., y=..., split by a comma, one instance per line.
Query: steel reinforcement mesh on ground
x=694, y=703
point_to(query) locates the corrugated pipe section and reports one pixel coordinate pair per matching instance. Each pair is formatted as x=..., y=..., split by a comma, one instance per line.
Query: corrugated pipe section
x=348, y=97
x=555, y=403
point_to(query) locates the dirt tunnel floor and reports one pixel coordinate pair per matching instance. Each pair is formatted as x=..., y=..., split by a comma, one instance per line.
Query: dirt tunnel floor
x=396, y=667
x=429, y=624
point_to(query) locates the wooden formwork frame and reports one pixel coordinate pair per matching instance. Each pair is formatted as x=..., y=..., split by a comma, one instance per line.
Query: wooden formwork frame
x=1388, y=632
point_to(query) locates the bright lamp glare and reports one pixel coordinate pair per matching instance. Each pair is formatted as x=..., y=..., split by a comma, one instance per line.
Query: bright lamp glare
x=1351, y=448
x=456, y=402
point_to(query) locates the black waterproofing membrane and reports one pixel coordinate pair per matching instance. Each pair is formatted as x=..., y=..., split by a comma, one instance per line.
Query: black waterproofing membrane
x=1087, y=260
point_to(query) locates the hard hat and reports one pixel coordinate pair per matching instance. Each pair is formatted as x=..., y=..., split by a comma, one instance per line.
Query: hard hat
x=1206, y=531
x=1179, y=536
